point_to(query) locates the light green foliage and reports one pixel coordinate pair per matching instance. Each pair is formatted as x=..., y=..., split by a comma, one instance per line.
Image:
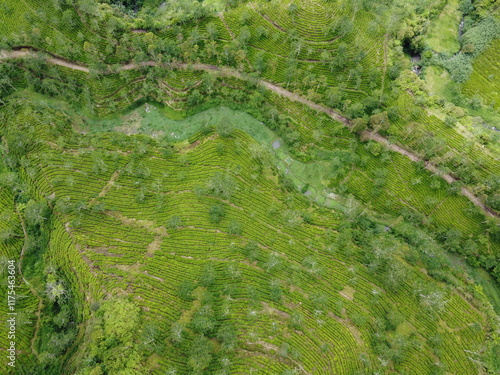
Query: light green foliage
x=114, y=343
x=222, y=185
x=484, y=79
x=180, y=231
x=213, y=302
x=442, y=35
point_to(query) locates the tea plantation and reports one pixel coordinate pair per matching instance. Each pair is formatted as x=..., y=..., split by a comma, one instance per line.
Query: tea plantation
x=249, y=187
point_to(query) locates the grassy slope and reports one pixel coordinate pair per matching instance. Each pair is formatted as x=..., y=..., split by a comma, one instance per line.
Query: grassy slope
x=320, y=131
x=485, y=79
x=442, y=36
x=126, y=273
x=360, y=176
x=129, y=249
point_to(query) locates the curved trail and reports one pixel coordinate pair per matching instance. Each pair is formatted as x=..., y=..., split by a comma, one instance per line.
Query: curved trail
x=278, y=90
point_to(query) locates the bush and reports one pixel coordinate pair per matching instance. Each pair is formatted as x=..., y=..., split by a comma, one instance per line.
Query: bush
x=459, y=66
x=185, y=290
x=251, y=251
x=222, y=185
x=234, y=228
x=216, y=213
x=174, y=222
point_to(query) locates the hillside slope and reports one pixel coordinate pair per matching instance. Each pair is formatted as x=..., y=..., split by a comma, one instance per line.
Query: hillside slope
x=234, y=187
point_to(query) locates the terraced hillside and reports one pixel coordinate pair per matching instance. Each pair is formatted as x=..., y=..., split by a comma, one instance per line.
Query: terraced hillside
x=235, y=187
x=484, y=81
x=229, y=270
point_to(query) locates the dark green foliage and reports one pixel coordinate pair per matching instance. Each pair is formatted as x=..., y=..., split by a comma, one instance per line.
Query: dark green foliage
x=200, y=354
x=235, y=227
x=251, y=251
x=394, y=71
x=459, y=67
x=208, y=276
x=114, y=346
x=216, y=213
x=185, y=290
x=226, y=334
x=36, y=213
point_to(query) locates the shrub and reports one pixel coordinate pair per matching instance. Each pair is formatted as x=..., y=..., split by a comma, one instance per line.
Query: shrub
x=234, y=227
x=459, y=66
x=251, y=251
x=174, y=222
x=216, y=213
x=222, y=185
x=185, y=290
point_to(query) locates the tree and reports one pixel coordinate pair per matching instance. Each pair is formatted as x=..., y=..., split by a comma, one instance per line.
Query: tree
x=98, y=165
x=380, y=121
x=344, y=26
x=359, y=124
x=113, y=346
x=234, y=227
x=212, y=31
x=261, y=32
x=334, y=97
x=275, y=290
x=293, y=9
x=208, y=276
x=174, y=222
x=245, y=35
x=204, y=321
x=216, y=213
x=251, y=251
x=375, y=148
x=356, y=110
x=55, y=289
x=176, y=333
x=185, y=290
x=225, y=127
x=222, y=185
x=226, y=334
x=200, y=354
x=450, y=121
x=341, y=58
x=273, y=263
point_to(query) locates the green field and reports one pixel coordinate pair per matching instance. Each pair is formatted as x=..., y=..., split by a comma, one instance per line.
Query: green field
x=235, y=187
x=443, y=34
x=484, y=80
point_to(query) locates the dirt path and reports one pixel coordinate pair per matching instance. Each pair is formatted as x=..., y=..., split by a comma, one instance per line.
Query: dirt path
x=278, y=90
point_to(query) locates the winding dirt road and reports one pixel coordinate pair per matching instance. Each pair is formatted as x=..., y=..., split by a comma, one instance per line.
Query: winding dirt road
x=25, y=52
